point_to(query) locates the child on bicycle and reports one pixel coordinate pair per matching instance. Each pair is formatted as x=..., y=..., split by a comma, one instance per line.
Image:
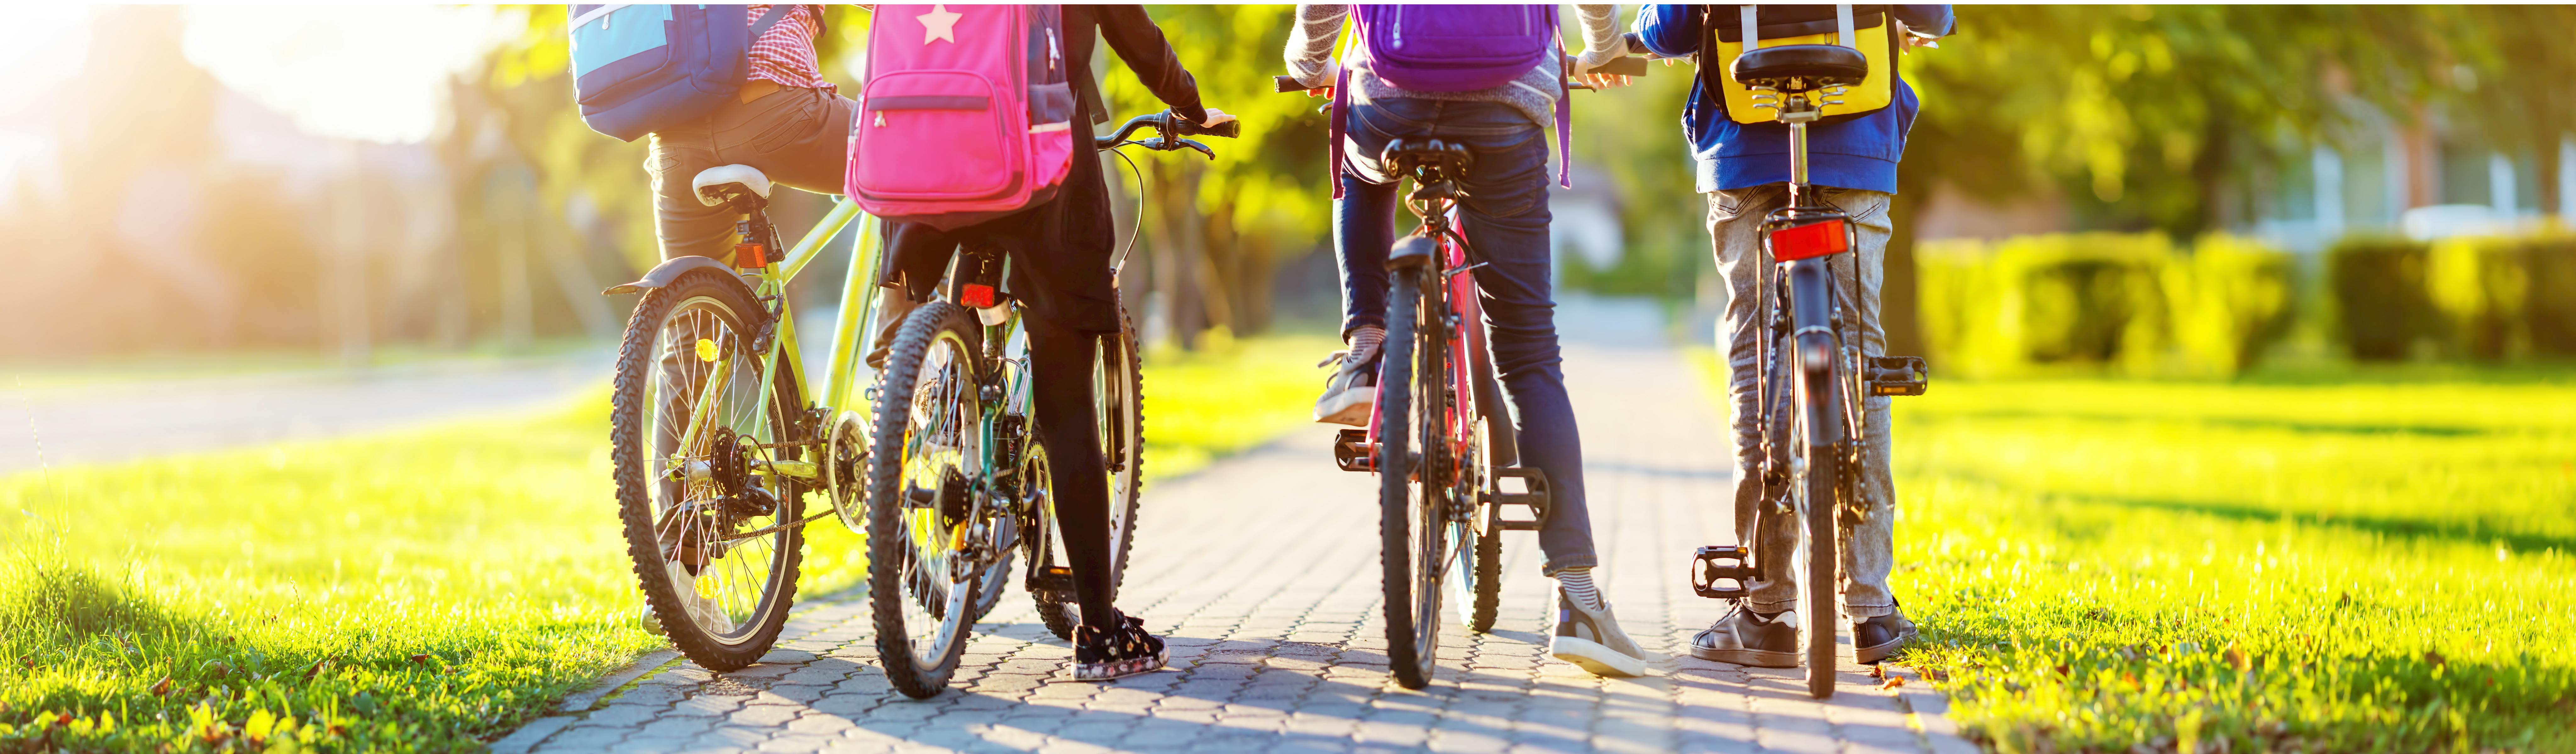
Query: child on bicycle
x=1505, y=212
x=1744, y=169
x=1060, y=253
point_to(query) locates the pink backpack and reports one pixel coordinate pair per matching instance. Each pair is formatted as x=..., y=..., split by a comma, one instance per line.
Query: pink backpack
x=965, y=115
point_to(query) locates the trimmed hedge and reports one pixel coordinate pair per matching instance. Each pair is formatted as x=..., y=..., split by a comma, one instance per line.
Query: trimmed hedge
x=2130, y=303
x=2496, y=298
x=2381, y=306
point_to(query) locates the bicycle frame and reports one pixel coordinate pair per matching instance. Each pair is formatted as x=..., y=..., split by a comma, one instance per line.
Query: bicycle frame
x=858, y=310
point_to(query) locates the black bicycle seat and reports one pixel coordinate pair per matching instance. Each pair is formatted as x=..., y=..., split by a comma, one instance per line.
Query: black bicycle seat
x=1800, y=68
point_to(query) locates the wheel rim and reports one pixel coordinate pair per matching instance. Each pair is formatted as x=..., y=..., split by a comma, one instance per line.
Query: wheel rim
x=724, y=585
x=941, y=444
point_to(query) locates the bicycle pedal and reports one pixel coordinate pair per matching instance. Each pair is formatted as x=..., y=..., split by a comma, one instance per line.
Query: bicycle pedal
x=1353, y=452
x=1534, y=494
x=1714, y=565
x=1052, y=581
x=1897, y=375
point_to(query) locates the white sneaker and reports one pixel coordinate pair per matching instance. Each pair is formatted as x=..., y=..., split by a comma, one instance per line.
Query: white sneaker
x=1594, y=641
x=1351, y=393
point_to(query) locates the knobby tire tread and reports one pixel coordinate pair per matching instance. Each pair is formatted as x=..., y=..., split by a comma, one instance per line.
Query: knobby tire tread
x=1395, y=399
x=634, y=373
x=885, y=477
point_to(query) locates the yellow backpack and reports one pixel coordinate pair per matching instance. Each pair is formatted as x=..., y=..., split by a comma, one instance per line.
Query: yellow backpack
x=1868, y=28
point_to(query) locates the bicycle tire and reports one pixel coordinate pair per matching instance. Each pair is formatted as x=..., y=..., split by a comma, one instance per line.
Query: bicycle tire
x=1409, y=553
x=631, y=411
x=1820, y=486
x=1125, y=451
x=913, y=671
x=1486, y=583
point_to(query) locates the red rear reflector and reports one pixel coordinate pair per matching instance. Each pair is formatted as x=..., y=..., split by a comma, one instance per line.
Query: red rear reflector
x=977, y=295
x=1811, y=240
x=750, y=255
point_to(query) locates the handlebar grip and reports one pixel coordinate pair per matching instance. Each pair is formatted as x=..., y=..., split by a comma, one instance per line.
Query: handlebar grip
x=1628, y=65
x=1227, y=130
x=1286, y=84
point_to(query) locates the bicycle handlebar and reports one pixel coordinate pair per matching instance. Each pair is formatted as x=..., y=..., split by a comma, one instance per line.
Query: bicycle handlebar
x=1169, y=128
x=1625, y=65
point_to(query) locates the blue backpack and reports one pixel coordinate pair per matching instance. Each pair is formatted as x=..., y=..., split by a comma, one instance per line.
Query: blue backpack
x=639, y=68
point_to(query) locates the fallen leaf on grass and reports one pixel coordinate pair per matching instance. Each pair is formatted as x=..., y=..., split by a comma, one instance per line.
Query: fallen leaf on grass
x=2236, y=659
x=162, y=688
x=421, y=659
x=2434, y=657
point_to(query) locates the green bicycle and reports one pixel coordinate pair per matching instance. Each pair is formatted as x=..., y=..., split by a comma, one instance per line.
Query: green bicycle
x=715, y=435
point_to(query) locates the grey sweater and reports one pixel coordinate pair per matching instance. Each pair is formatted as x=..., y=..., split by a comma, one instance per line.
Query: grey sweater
x=1319, y=30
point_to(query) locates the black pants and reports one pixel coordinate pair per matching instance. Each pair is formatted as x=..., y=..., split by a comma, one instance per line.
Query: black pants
x=1061, y=356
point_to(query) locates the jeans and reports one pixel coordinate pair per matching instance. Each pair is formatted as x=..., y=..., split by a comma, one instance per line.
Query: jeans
x=1735, y=222
x=798, y=137
x=1505, y=219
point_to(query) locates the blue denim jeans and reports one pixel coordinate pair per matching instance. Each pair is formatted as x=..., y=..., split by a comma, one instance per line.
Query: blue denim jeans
x=1505, y=219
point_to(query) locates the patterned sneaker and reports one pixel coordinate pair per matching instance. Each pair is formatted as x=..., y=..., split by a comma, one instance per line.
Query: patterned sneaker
x=1351, y=393
x=1118, y=652
x=1876, y=638
x=1594, y=641
x=1749, y=638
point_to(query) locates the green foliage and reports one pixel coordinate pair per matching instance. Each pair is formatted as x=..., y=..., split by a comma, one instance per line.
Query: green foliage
x=2151, y=112
x=2090, y=576
x=2130, y=302
x=2230, y=299
x=2502, y=297
x=1272, y=177
x=2381, y=305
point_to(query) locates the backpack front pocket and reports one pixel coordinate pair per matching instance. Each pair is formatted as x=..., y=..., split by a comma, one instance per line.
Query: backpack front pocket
x=933, y=135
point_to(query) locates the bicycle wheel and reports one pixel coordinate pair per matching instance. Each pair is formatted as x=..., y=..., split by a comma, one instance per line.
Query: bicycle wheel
x=1819, y=489
x=705, y=534
x=1412, y=467
x=1117, y=393
x=924, y=456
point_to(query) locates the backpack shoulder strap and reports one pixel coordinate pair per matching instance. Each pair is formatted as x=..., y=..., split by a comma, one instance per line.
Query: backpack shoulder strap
x=776, y=14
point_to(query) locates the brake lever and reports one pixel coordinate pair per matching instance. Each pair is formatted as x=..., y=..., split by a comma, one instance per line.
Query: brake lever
x=1202, y=148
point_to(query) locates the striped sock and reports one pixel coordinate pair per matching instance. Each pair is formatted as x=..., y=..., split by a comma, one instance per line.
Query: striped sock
x=1364, y=342
x=1577, y=585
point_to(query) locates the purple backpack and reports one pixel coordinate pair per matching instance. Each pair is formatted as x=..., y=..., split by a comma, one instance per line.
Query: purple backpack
x=1453, y=48
x=1456, y=48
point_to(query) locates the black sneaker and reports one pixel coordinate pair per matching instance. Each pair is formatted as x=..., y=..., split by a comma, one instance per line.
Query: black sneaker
x=1118, y=652
x=1876, y=638
x=1745, y=637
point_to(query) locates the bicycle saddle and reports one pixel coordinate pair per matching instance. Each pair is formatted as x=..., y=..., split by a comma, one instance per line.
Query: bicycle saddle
x=716, y=186
x=1808, y=67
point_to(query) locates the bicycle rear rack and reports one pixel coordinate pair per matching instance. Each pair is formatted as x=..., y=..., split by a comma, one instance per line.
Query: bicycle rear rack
x=1716, y=564
x=1534, y=495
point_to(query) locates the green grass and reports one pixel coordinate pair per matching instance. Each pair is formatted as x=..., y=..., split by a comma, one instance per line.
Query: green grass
x=2376, y=563
x=423, y=590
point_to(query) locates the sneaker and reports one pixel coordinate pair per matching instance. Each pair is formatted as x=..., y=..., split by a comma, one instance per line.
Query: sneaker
x=1876, y=638
x=1118, y=652
x=1351, y=393
x=1748, y=638
x=1594, y=641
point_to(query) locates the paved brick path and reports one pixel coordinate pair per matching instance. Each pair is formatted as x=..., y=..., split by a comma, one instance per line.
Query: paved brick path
x=1262, y=572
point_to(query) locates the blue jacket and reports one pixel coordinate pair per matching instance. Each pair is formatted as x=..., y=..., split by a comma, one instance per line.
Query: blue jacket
x=1860, y=153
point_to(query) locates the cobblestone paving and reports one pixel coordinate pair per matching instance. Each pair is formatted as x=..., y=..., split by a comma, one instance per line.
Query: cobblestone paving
x=1262, y=572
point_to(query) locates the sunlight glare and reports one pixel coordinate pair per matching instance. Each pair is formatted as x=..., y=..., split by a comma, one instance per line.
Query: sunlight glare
x=377, y=73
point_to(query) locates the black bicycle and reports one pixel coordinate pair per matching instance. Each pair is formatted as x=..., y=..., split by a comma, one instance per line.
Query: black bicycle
x=1810, y=405
x=956, y=479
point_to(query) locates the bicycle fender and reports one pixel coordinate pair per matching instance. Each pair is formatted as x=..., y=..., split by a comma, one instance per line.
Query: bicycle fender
x=669, y=270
